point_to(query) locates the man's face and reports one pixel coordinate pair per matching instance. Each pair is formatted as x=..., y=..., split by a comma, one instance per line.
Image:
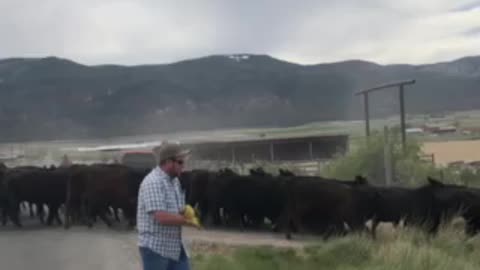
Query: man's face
x=175, y=166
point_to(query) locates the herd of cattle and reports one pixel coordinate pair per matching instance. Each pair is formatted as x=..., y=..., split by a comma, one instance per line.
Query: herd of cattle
x=283, y=203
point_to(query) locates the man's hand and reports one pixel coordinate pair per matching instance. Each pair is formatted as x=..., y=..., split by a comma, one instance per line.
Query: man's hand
x=190, y=217
x=166, y=218
x=193, y=223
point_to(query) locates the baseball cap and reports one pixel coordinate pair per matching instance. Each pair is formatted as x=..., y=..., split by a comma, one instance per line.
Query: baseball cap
x=169, y=151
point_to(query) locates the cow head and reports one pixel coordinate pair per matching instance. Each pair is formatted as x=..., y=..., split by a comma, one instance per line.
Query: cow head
x=258, y=172
x=360, y=180
x=285, y=172
x=3, y=170
x=434, y=183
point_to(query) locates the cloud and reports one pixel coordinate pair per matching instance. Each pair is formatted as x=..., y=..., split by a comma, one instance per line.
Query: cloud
x=468, y=6
x=148, y=31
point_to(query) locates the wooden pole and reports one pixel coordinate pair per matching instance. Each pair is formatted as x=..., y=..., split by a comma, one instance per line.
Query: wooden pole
x=310, y=150
x=402, y=117
x=234, y=159
x=387, y=150
x=367, y=114
x=272, y=152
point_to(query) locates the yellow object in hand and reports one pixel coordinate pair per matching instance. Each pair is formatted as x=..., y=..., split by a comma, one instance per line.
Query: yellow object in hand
x=195, y=222
x=190, y=215
x=189, y=212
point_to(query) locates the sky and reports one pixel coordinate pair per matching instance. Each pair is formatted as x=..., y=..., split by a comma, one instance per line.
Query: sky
x=131, y=32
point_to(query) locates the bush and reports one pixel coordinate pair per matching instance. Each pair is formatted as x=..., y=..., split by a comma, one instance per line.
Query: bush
x=409, y=168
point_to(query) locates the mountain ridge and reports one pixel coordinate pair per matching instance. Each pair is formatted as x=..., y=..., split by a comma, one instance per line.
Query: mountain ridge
x=56, y=98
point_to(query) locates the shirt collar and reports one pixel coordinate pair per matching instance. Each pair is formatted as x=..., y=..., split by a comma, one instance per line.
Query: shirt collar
x=162, y=174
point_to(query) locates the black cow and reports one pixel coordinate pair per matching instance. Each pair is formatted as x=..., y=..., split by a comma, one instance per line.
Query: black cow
x=94, y=189
x=8, y=208
x=330, y=205
x=410, y=204
x=38, y=186
x=243, y=200
x=427, y=206
x=453, y=200
x=196, y=184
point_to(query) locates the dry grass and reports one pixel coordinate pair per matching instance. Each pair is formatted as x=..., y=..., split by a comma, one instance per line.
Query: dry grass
x=394, y=249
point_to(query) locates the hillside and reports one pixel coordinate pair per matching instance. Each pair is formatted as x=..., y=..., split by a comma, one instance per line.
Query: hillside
x=52, y=98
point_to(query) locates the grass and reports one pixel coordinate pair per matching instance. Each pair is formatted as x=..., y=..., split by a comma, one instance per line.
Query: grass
x=406, y=249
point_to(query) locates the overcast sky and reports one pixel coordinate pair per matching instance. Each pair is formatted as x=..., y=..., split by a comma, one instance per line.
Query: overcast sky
x=153, y=31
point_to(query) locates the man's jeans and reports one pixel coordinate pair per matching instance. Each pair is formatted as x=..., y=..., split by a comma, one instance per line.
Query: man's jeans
x=154, y=261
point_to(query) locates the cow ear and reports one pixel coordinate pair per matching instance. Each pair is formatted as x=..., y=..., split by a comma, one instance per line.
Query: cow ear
x=361, y=180
x=434, y=182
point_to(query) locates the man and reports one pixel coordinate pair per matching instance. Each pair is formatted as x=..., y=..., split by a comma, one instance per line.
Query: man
x=159, y=214
x=65, y=161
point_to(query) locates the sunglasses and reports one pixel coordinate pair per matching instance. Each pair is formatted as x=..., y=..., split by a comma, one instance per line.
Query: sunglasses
x=179, y=161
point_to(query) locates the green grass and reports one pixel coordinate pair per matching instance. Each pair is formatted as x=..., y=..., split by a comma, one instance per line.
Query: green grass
x=405, y=250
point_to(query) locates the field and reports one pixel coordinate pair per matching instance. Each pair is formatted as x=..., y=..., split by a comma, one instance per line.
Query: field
x=450, y=151
x=47, y=153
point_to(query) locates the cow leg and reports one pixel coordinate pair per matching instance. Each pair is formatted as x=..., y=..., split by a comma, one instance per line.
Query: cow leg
x=375, y=223
x=203, y=207
x=292, y=223
x=333, y=229
x=395, y=223
x=4, y=217
x=53, y=214
x=40, y=212
x=472, y=227
x=51, y=211
x=12, y=211
x=110, y=211
x=14, y=214
x=244, y=221
x=30, y=209
x=104, y=218
x=50, y=215
x=89, y=212
x=433, y=225
x=23, y=207
x=116, y=214
x=217, y=218
x=57, y=218
x=67, y=216
x=129, y=214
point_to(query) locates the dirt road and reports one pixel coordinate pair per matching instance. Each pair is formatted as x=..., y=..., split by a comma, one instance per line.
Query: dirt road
x=38, y=248
x=44, y=248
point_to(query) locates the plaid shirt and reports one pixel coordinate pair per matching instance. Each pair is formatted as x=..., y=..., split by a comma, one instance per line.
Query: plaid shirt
x=159, y=192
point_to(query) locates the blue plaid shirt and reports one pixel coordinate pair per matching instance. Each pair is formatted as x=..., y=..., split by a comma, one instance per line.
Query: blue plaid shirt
x=159, y=192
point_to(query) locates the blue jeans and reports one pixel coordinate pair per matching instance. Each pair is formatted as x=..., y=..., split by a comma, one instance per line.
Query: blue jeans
x=154, y=261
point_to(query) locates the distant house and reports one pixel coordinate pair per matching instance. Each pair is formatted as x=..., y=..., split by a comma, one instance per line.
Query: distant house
x=471, y=130
x=439, y=129
x=474, y=164
x=414, y=130
x=446, y=129
x=456, y=164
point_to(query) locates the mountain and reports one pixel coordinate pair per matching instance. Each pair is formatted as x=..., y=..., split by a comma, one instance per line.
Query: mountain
x=466, y=67
x=53, y=98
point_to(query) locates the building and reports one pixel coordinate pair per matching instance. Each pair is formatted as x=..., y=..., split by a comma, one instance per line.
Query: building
x=294, y=149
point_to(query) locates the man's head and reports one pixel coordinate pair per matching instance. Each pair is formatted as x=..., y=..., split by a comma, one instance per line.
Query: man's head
x=171, y=158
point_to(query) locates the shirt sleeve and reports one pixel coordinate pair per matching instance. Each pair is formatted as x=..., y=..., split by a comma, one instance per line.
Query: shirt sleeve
x=154, y=197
